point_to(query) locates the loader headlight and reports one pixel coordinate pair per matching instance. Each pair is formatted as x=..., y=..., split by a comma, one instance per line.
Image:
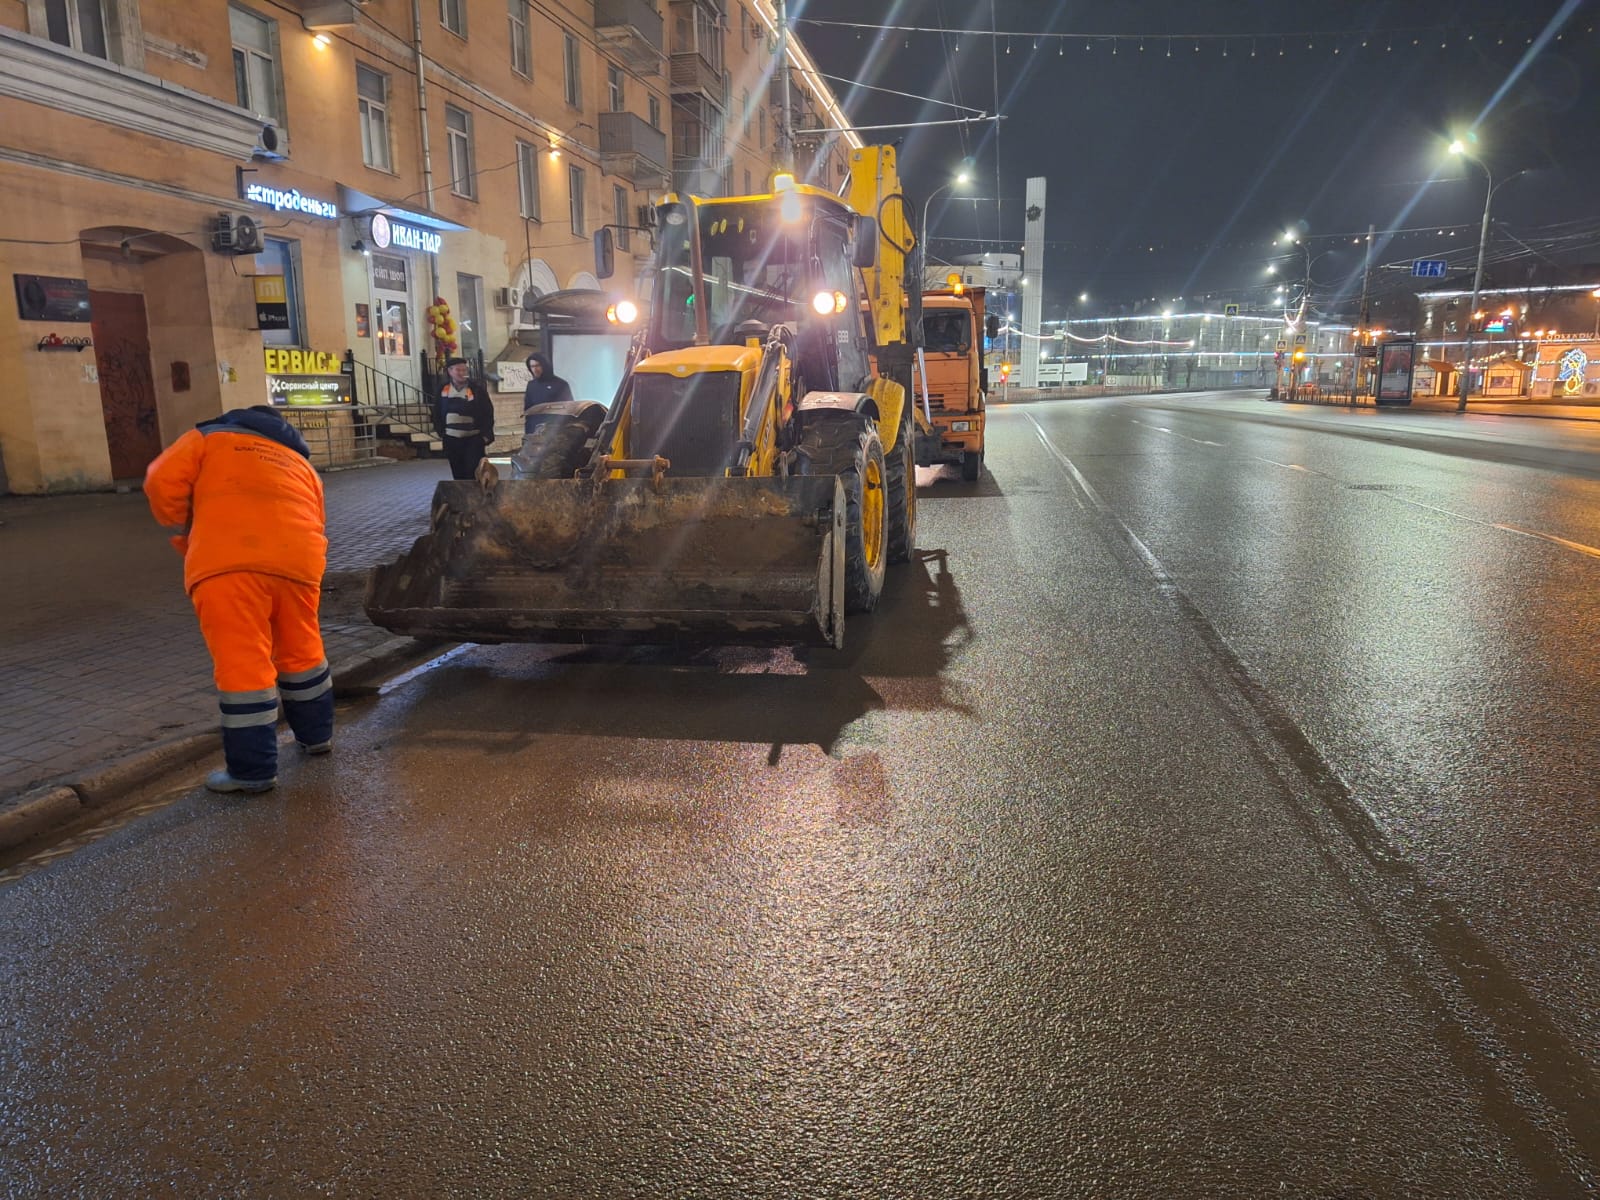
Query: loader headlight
x=623, y=312
x=822, y=302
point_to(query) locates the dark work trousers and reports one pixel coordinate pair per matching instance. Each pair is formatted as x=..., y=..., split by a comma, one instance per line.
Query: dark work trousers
x=464, y=453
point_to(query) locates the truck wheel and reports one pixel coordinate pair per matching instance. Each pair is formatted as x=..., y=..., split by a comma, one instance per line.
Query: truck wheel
x=972, y=465
x=900, y=472
x=848, y=446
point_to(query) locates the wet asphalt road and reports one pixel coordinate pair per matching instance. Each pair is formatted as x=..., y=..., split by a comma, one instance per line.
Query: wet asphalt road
x=1210, y=811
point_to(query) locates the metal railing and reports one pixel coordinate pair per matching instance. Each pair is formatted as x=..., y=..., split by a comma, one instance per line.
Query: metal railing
x=391, y=407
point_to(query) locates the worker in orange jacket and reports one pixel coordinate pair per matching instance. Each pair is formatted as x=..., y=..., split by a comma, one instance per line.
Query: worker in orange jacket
x=249, y=509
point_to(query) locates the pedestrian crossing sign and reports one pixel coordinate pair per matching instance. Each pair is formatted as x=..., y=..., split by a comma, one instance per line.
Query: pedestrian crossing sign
x=1230, y=310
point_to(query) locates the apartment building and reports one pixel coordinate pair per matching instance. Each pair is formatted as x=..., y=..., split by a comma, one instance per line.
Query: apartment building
x=224, y=203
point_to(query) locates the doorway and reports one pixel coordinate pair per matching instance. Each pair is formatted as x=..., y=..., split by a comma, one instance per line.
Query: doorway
x=127, y=383
x=393, y=319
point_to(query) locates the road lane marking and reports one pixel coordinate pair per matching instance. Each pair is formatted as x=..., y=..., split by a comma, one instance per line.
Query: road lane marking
x=1550, y=537
x=1175, y=433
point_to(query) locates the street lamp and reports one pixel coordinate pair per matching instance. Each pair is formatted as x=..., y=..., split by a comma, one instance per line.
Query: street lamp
x=922, y=232
x=1459, y=149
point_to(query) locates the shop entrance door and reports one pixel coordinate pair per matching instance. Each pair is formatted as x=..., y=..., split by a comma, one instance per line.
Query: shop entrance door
x=127, y=384
x=395, y=318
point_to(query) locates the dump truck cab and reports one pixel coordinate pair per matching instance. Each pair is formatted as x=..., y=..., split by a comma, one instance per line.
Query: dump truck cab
x=952, y=386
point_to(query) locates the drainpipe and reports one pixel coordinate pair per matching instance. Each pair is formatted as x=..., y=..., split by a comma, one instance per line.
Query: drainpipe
x=427, y=145
x=786, y=137
x=422, y=102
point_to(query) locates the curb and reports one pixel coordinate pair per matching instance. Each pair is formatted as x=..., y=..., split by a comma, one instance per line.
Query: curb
x=25, y=817
x=99, y=788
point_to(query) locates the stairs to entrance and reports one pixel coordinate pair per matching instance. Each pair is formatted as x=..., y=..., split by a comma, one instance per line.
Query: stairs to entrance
x=398, y=412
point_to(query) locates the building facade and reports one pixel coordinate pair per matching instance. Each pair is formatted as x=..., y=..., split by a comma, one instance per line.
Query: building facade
x=217, y=204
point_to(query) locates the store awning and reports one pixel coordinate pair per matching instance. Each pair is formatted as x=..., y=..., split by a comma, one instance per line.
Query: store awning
x=357, y=203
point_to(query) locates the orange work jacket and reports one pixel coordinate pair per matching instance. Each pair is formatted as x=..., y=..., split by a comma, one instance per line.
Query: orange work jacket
x=247, y=503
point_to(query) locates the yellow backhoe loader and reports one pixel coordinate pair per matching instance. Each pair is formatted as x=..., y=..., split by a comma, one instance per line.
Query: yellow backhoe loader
x=753, y=475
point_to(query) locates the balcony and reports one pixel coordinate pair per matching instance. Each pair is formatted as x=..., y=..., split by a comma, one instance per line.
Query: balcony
x=629, y=147
x=631, y=32
x=695, y=74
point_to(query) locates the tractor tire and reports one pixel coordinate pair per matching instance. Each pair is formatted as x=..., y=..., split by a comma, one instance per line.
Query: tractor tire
x=553, y=449
x=900, y=475
x=848, y=446
x=972, y=465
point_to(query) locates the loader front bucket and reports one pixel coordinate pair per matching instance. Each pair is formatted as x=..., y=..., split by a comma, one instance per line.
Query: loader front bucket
x=741, y=561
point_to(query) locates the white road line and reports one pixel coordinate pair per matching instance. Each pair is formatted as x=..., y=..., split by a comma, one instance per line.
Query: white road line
x=1550, y=537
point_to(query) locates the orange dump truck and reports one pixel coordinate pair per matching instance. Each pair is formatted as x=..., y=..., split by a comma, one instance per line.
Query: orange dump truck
x=951, y=385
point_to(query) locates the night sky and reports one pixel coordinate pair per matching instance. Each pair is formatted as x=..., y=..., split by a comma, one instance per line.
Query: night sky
x=1172, y=168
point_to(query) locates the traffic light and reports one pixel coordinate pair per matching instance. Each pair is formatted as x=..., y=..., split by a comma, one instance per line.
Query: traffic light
x=1299, y=356
x=1005, y=372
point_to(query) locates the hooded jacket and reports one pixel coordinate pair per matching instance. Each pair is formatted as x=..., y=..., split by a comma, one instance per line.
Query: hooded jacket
x=547, y=388
x=243, y=489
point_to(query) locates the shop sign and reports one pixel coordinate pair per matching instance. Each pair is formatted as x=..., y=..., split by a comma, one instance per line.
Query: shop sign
x=278, y=200
x=283, y=361
x=388, y=272
x=300, y=390
x=272, y=302
x=306, y=377
x=388, y=232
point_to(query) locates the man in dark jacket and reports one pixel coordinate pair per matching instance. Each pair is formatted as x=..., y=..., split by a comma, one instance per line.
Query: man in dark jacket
x=464, y=419
x=545, y=387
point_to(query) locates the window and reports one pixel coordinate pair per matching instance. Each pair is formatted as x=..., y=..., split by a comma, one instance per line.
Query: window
x=281, y=257
x=747, y=189
x=463, y=174
x=521, y=48
x=528, y=179
x=79, y=24
x=614, y=92
x=744, y=111
x=655, y=112
x=453, y=16
x=372, y=98
x=575, y=188
x=469, y=316
x=255, y=62
x=574, y=81
x=619, y=209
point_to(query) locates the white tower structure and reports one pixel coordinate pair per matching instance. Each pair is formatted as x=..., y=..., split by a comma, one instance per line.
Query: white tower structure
x=1032, y=285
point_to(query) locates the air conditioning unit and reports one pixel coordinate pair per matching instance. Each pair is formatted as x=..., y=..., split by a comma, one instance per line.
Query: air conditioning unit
x=234, y=234
x=647, y=216
x=508, y=297
x=271, y=142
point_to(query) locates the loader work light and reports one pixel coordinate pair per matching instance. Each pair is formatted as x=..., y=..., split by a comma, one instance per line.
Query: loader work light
x=623, y=312
x=822, y=303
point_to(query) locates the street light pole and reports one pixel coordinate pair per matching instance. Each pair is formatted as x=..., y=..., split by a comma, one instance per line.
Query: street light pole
x=1477, y=275
x=922, y=231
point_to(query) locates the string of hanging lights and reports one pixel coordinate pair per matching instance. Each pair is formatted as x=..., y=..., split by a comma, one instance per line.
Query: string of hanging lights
x=1235, y=44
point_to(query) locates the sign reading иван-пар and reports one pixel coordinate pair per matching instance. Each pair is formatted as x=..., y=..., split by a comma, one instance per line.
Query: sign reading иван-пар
x=306, y=377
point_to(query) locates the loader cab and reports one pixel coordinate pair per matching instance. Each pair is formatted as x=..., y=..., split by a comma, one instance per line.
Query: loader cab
x=763, y=261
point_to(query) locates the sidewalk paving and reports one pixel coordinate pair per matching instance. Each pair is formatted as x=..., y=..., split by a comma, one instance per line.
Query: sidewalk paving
x=101, y=658
x=100, y=652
